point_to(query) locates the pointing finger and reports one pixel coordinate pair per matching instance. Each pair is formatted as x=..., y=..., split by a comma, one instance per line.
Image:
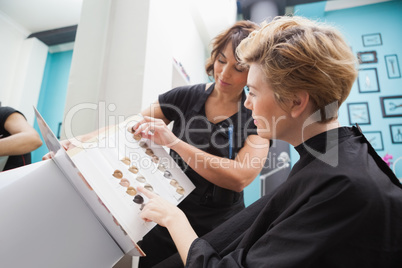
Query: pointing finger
x=148, y=118
x=141, y=127
x=146, y=192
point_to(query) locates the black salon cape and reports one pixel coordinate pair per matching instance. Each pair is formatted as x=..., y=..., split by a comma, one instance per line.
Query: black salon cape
x=342, y=214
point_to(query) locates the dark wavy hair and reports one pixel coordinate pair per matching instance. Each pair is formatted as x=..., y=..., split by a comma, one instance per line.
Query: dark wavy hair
x=233, y=35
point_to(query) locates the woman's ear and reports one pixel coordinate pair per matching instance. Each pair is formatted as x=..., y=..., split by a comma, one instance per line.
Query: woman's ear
x=299, y=104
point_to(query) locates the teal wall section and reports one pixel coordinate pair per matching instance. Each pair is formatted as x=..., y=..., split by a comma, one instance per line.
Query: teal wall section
x=53, y=94
x=252, y=192
x=384, y=18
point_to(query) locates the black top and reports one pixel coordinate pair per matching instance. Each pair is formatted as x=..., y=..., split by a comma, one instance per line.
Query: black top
x=13, y=161
x=341, y=207
x=208, y=205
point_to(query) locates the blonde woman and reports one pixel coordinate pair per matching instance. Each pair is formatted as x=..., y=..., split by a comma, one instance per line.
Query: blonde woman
x=341, y=205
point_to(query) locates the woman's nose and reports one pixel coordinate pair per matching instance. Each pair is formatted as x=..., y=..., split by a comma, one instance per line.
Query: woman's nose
x=247, y=103
x=226, y=71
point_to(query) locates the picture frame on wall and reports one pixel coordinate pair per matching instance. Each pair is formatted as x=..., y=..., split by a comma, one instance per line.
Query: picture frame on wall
x=367, y=57
x=367, y=80
x=396, y=133
x=370, y=40
x=391, y=106
x=359, y=113
x=393, y=71
x=375, y=139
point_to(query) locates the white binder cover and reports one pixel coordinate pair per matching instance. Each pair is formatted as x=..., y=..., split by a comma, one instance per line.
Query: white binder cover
x=106, y=171
x=45, y=223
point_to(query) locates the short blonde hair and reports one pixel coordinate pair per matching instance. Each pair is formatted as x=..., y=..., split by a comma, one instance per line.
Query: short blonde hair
x=295, y=54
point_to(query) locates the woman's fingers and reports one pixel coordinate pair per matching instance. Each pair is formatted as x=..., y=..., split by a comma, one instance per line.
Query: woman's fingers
x=147, y=124
x=150, y=211
x=146, y=119
x=156, y=130
x=138, y=127
x=146, y=192
x=66, y=144
x=149, y=128
x=48, y=156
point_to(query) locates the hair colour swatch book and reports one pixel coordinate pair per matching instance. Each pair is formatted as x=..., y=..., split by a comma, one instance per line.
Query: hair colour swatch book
x=107, y=169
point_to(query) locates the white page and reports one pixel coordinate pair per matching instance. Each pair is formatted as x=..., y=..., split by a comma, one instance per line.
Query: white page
x=45, y=223
x=90, y=197
x=100, y=158
x=9, y=176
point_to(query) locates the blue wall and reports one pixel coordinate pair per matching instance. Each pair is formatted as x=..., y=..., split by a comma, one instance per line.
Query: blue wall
x=252, y=192
x=386, y=19
x=52, y=95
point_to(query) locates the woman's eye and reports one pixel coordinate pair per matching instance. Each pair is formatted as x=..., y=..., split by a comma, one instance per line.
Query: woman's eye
x=221, y=61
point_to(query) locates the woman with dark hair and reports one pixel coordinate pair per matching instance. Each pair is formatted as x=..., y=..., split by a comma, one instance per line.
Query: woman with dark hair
x=213, y=140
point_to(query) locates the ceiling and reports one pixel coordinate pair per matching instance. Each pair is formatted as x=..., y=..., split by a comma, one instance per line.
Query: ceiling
x=51, y=21
x=55, y=21
x=42, y=15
